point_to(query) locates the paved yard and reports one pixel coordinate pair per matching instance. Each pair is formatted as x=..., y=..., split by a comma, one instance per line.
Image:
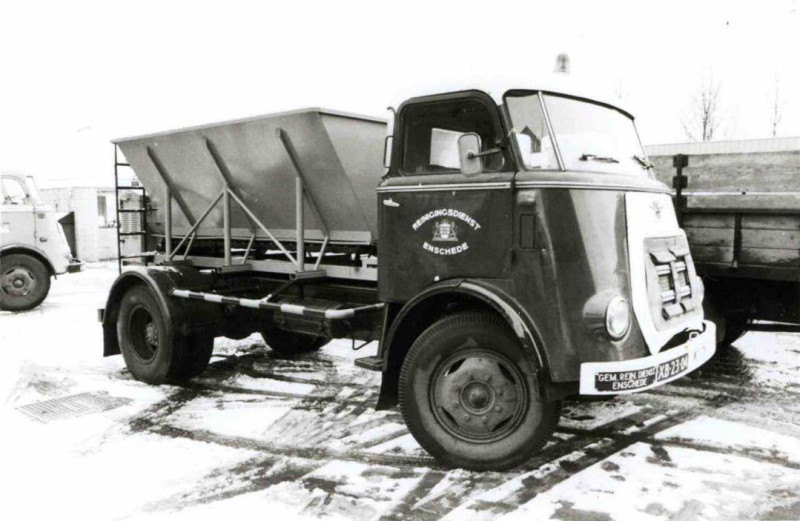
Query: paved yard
x=259, y=434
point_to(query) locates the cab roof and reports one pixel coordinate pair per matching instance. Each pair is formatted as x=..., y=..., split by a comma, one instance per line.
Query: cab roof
x=497, y=90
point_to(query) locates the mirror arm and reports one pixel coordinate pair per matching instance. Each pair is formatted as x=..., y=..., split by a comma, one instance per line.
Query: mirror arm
x=473, y=155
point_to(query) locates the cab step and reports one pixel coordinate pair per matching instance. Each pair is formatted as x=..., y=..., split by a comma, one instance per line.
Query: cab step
x=372, y=363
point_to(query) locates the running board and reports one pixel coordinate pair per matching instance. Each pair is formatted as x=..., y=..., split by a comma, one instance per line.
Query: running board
x=372, y=363
x=289, y=309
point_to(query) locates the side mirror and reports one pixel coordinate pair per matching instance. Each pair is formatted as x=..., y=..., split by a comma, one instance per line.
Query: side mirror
x=469, y=149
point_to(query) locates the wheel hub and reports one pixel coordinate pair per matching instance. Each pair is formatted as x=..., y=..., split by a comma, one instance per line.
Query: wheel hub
x=151, y=335
x=18, y=282
x=478, y=395
x=143, y=333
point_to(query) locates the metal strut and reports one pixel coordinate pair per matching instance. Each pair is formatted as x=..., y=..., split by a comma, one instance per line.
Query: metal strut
x=302, y=197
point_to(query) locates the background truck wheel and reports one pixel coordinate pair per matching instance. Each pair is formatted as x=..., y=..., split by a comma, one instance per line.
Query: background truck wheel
x=24, y=282
x=152, y=354
x=735, y=326
x=713, y=312
x=470, y=396
x=730, y=325
x=288, y=343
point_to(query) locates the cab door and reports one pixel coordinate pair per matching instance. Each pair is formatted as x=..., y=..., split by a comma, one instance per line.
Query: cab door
x=437, y=223
x=17, y=218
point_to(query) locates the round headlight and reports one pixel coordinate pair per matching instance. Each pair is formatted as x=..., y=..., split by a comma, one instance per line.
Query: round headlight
x=618, y=318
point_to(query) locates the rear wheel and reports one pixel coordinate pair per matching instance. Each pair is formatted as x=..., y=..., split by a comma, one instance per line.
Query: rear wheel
x=24, y=282
x=290, y=343
x=152, y=353
x=197, y=350
x=469, y=394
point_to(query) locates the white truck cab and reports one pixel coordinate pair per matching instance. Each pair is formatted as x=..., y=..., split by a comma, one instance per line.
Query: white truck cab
x=33, y=247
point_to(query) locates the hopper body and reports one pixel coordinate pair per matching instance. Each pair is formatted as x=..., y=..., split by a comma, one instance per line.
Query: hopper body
x=340, y=156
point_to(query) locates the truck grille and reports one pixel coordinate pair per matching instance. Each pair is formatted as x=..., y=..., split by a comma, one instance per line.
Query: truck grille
x=670, y=263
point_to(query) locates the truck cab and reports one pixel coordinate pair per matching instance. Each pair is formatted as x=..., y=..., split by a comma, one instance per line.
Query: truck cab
x=544, y=206
x=33, y=247
x=549, y=200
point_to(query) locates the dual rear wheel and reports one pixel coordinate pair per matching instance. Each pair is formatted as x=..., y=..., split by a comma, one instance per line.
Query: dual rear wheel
x=290, y=343
x=155, y=354
x=152, y=351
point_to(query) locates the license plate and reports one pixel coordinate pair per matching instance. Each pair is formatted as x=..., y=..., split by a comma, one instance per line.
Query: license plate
x=641, y=378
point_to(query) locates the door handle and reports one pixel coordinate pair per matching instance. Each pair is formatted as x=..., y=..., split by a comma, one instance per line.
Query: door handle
x=390, y=203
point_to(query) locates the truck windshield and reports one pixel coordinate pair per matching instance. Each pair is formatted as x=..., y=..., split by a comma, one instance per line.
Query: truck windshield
x=590, y=137
x=33, y=190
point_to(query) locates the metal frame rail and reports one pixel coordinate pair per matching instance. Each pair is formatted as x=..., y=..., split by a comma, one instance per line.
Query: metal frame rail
x=290, y=309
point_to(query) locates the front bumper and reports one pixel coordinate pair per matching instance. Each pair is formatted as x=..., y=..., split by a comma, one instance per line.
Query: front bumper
x=640, y=374
x=75, y=266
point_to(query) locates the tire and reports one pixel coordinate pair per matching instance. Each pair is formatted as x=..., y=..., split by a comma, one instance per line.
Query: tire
x=469, y=394
x=196, y=356
x=153, y=354
x=712, y=311
x=289, y=343
x=735, y=327
x=24, y=282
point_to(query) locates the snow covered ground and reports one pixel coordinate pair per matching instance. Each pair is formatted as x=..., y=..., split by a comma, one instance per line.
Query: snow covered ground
x=297, y=438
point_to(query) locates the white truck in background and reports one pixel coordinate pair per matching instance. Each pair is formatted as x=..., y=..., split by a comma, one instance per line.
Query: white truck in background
x=33, y=246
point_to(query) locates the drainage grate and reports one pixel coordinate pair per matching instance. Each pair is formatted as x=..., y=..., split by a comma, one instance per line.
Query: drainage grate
x=71, y=406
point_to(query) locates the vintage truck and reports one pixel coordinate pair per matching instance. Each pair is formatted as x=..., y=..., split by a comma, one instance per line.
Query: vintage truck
x=527, y=254
x=739, y=202
x=33, y=247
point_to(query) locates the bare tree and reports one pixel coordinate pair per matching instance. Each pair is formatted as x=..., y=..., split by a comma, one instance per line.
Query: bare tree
x=703, y=117
x=777, y=106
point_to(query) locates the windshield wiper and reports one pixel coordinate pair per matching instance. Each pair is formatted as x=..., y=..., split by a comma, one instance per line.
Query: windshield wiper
x=644, y=162
x=594, y=157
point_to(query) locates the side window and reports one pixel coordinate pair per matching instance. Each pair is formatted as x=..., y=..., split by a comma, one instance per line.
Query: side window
x=13, y=192
x=530, y=132
x=431, y=132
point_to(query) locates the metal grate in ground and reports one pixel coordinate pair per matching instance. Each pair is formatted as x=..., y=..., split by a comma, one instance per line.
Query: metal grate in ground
x=71, y=406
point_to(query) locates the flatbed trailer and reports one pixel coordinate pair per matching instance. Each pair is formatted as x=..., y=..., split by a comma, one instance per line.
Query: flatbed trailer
x=739, y=203
x=520, y=261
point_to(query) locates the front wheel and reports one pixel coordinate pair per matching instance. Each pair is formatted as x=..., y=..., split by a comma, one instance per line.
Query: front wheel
x=24, y=282
x=469, y=394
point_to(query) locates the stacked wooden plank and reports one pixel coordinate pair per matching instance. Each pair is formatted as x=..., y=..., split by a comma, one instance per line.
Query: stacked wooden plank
x=742, y=204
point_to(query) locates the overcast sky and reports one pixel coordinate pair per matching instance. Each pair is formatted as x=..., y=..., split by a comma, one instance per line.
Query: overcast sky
x=77, y=74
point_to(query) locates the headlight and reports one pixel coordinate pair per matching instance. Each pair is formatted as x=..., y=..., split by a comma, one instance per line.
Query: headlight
x=618, y=317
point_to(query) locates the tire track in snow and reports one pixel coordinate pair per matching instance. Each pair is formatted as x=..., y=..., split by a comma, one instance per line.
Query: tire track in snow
x=470, y=493
x=613, y=437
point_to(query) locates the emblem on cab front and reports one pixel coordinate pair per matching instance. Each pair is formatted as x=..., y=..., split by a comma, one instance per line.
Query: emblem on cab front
x=656, y=207
x=445, y=230
x=448, y=224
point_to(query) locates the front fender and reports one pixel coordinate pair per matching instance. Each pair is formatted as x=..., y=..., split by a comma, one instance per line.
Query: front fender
x=490, y=293
x=33, y=251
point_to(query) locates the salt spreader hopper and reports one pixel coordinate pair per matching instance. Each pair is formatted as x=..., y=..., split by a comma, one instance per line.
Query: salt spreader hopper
x=306, y=176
